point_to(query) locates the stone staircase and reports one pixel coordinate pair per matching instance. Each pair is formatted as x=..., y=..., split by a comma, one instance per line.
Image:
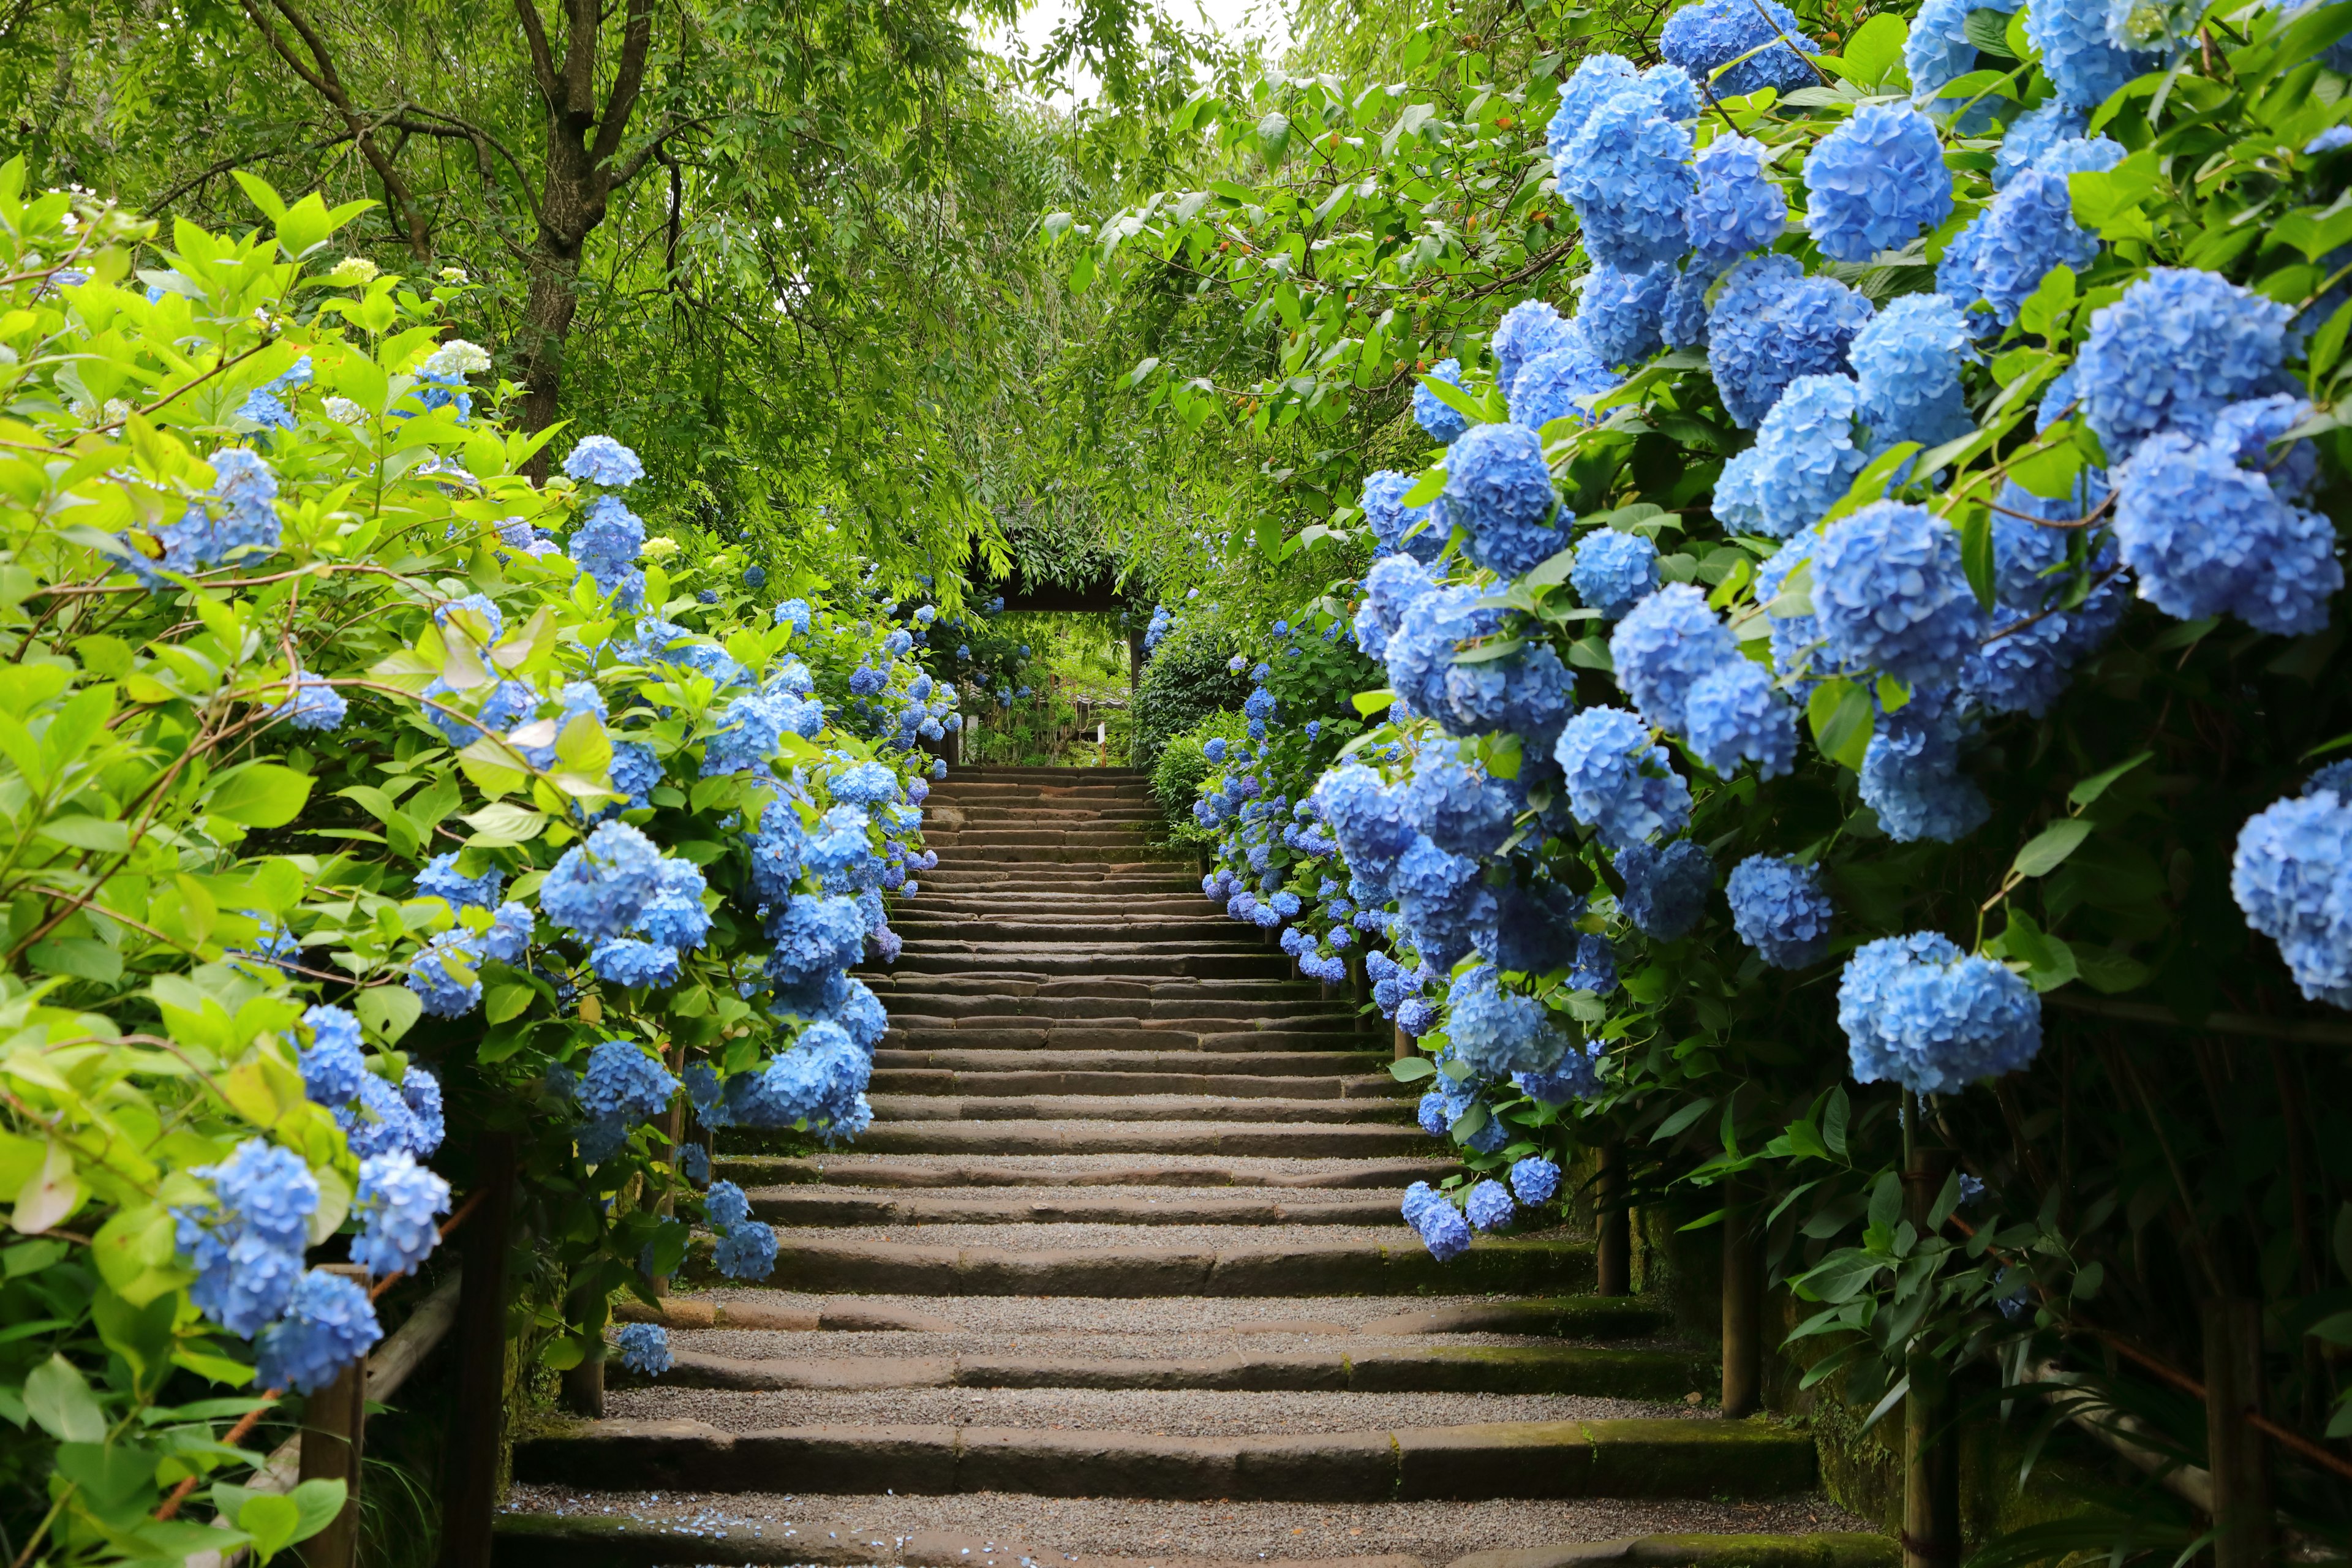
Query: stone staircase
x=1116, y=1275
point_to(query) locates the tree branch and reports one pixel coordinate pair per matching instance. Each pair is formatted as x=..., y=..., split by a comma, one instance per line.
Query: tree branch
x=542, y=64
x=628, y=80
x=322, y=77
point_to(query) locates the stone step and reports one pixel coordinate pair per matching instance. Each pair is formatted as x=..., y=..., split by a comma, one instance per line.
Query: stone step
x=925, y=1080
x=1327, y=1061
x=983, y=810
x=865, y=1169
x=1297, y=1266
x=1042, y=1137
x=1658, y=1376
x=933, y=1001
x=903, y=1109
x=1206, y=933
x=1124, y=961
x=1173, y=1035
x=1062, y=901
x=1626, y=1458
x=1125, y=855
x=1032, y=878
x=840, y=1205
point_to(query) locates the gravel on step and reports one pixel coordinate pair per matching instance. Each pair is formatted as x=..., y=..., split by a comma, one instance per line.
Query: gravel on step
x=1172, y=1532
x=768, y=1345
x=1105, y=1315
x=844, y=1167
x=1159, y=1237
x=1289, y=1197
x=1189, y=1412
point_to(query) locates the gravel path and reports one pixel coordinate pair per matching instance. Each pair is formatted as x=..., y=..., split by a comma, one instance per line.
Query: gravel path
x=1169, y=1533
x=1161, y=1413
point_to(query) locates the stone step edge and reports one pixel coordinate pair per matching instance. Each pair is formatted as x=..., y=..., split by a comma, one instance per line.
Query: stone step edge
x=895, y=1172
x=675, y=1312
x=1638, y=1458
x=801, y=1207
x=1653, y=1374
x=571, y=1540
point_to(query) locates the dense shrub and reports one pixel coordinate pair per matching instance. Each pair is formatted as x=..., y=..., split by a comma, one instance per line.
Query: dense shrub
x=1186, y=680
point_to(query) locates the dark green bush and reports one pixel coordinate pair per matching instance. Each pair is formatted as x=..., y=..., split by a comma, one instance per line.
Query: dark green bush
x=1186, y=680
x=1183, y=767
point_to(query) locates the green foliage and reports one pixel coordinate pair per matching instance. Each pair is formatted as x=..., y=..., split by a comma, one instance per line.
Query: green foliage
x=1185, y=682
x=1183, y=767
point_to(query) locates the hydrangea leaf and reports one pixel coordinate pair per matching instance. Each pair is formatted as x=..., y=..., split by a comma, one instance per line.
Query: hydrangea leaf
x=2047, y=850
x=1412, y=1069
x=1840, y=712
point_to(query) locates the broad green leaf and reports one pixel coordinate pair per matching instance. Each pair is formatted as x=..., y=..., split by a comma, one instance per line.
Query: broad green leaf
x=1842, y=717
x=1412, y=1069
x=1371, y=702
x=2092, y=788
x=59, y=1400
x=260, y=794
x=389, y=1010
x=2046, y=850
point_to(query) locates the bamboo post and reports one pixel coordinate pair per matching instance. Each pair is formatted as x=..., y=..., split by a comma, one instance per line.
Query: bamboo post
x=1613, y=1225
x=334, y=1422
x=1743, y=1304
x=1931, y=1452
x=471, y=1490
x=2245, y=1534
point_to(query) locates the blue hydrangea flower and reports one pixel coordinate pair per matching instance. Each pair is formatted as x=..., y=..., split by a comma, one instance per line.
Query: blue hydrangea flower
x=601, y=460
x=1433, y=413
x=312, y=703
x=1771, y=324
x=1918, y=1011
x=1939, y=50
x=1683, y=321
x=1889, y=594
x=2173, y=352
x=1666, y=888
x=2251, y=429
x=1734, y=713
x=1628, y=175
x=441, y=880
x=1528, y=331
x=674, y=917
x=1619, y=783
x=606, y=543
x=2070, y=36
x=1780, y=909
x=1792, y=637
x=1442, y=901
x=1463, y=808
x=1596, y=80
x=2335, y=139
x=1535, y=1180
x=1497, y=1031
x=381, y=1121
x=420, y=1091
x=1907, y=360
x=397, y=1204
x=1548, y=387
x=2029, y=229
x=644, y=1349
x=694, y=1162
x=1489, y=1205
x=332, y=1065
x=1705, y=37
x=248, y=1245
x=444, y=977
x=1735, y=209
x=1806, y=454
x=1662, y=646
x=1421, y=651
x=725, y=1206
x=1614, y=571
x=1595, y=966
x=1876, y=183
x=1498, y=489
x=598, y=889
x=627, y=962
x=329, y=1324
x=624, y=1083
x=1442, y=1230
x=2288, y=875
x=1370, y=820
x=1617, y=313
x=2205, y=537
x=1392, y=522
x=795, y=614
x=746, y=1251
x=1911, y=776
x=2032, y=133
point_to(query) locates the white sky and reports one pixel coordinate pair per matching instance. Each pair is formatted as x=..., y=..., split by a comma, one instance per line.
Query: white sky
x=1264, y=21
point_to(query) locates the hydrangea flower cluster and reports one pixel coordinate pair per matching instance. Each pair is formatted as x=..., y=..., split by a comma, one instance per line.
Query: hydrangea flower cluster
x=1779, y=908
x=1918, y=1011
x=2292, y=875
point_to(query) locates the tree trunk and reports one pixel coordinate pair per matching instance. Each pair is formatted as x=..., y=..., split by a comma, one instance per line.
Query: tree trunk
x=548, y=311
x=470, y=1484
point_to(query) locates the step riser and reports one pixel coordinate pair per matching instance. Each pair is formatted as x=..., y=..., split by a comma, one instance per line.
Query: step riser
x=917, y=1080
x=1251, y=1064
x=1563, y=1459
x=1238, y=966
x=1104, y=1037
x=787, y=1206
x=754, y=1170
x=1303, y=1142
x=903, y=1109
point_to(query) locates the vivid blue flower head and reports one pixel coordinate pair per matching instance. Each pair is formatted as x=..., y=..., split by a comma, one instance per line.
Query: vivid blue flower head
x=1528, y=331
x=1779, y=908
x=1876, y=183
x=747, y=1251
x=1807, y=454
x=1596, y=80
x=601, y=460
x=1908, y=360
x=331, y=1064
x=1548, y=386
x=644, y=1349
x=1392, y=521
x=1614, y=571
x=1433, y=413
x=2205, y=537
x=1705, y=37
x=1734, y=713
x=1498, y=489
x=1497, y=1031
x=1463, y=808
x=1662, y=646
x=445, y=976
x=1735, y=209
x=814, y=934
x=2173, y=352
x=1442, y=901
x=724, y=1206
x=1535, y=1180
x=1771, y=324
x=1442, y=1230
x=794, y=613
x=1618, y=314
x=624, y=1083
x=2029, y=230
x=1911, y=775
x=1890, y=594
x=440, y=880
x=1918, y=1011
x=1792, y=637
x=2077, y=55
x=421, y=1092
x=1595, y=967
x=1629, y=177
x=1939, y=50
x=1683, y=322
x=2289, y=875
x=1488, y=1205
x=1618, y=783
x=598, y=889
x=2031, y=134
x=2023, y=666
x=329, y=1324
x=1421, y=651
x=606, y=545
x=312, y=703
x=1666, y=888
x=627, y=961
x=1370, y=820
x=397, y=1204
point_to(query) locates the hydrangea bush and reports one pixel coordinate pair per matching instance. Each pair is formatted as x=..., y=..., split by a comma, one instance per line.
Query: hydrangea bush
x=359, y=780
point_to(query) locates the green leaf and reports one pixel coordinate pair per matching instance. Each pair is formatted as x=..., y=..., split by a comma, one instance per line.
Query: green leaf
x=56, y=1397
x=1835, y=1118
x=318, y=1501
x=389, y=1010
x=506, y=1002
x=101, y=834
x=1977, y=554
x=2052, y=472
x=1427, y=488
x=1412, y=1069
x=2092, y=788
x=1873, y=55
x=505, y=822
x=1453, y=397
x=112, y=1475
x=1842, y=717
x=2110, y=972
x=2046, y=850
x=1987, y=29
x=1681, y=1119
x=79, y=957
x=260, y=794
x=272, y=1521
x=1371, y=702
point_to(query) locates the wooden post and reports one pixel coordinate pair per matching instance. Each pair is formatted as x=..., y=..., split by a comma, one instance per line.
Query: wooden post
x=470, y=1488
x=1931, y=1450
x=1612, y=1223
x=584, y=1385
x=1743, y=1304
x=334, y=1422
x=2245, y=1533
x=1405, y=1049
